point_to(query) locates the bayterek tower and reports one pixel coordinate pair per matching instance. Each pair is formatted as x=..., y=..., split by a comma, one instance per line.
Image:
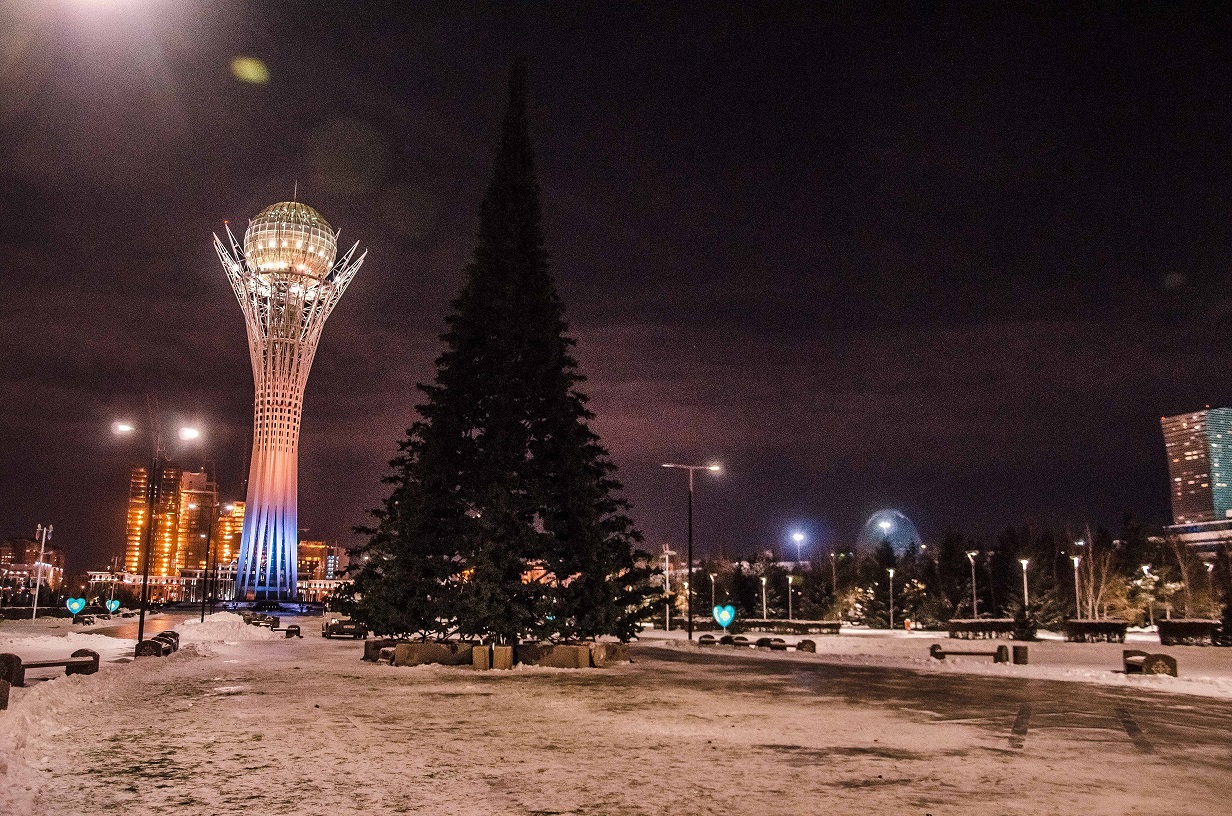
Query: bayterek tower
x=287, y=282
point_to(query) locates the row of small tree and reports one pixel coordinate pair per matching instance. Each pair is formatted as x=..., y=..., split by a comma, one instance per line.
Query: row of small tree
x=1136, y=577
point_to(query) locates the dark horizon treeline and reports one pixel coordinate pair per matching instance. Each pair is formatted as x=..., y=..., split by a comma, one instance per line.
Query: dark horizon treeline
x=933, y=583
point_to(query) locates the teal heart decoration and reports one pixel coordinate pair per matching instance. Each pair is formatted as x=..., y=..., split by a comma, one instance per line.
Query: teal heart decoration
x=75, y=605
x=724, y=615
x=113, y=605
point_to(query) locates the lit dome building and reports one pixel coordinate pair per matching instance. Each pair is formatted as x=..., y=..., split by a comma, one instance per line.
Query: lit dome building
x=892, y=526
x=287, y=282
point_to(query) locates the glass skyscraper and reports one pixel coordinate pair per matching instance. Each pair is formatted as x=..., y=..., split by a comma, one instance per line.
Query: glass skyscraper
x=1199, y=447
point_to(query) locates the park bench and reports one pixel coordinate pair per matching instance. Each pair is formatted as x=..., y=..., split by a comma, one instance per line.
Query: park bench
x=292, y=631
x=1140, y=662
x=980, y=628
x=13, y=668
x=154, y=647
x=999, y=655
x=740, y=640
x=171, y=638
x=83, y=620
x=806, y=646
x=778, y=645
x=706, y=640
x=1188, y=631
x=1104, y=630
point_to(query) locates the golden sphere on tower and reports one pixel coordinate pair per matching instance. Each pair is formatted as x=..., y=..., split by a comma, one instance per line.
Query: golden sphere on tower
x=290, y=240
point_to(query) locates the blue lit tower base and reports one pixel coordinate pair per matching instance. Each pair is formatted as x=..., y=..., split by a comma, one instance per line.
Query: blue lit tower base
x=287, y=283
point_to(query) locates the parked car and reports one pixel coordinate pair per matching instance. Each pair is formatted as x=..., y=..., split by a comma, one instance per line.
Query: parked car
x=342, y=627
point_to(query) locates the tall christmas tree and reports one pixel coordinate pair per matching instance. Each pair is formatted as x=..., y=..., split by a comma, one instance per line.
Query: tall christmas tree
x=504, y=519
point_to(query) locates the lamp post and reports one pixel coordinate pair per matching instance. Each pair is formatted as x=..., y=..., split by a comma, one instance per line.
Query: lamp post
x=891, y=571
x=1150, y=601
x=975, y=610
x=1025, y=598
x=789, y=577
x=833, y=575
x=42, y=534
x=186, y=434
x=1077, y=559
x=712, y=577
x=763, y=598
x=667, y=587
x=798, y=537
x=689, y=583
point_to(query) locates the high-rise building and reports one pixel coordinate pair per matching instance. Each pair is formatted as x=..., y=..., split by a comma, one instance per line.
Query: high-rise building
x=20, y=565
x=166, y=510
x=197, y=505
x=287, y=283
x=1199, y=447
x=227, y=532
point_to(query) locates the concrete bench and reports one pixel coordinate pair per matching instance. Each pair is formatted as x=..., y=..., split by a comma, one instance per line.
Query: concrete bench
x=1139, y=662
x=171, y=638
x=999, y=655
x=154, y=647
x=13, y=668
x=706, y=640
x=806, y=646
x=778, y=645
x=740, y=640
x=292, y=631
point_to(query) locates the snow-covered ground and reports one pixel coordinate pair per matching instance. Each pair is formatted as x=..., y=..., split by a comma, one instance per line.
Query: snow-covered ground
x=236, y=720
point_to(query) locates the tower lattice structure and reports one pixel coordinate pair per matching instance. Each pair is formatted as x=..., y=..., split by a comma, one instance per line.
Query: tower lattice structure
x=287, y=282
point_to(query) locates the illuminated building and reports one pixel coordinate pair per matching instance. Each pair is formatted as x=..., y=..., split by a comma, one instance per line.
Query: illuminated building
x=320, y=561
x=287, y=283
x=227, y=532
x=198, y=502
x=1199, y=448
x=166, y=510
x=19, y=567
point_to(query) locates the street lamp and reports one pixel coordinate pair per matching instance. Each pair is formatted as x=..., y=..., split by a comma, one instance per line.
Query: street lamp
x=667, y=587
x=891, y=571
x=975, y=611
x=42, y=534
x=798, y=537
x=1077, y=559
x=1150, y=601
x=833, y=575
x=763, y=598
x=186, y=434
x=689, y=584
x=789, y=578
x=1025, y=598
x=712, y=577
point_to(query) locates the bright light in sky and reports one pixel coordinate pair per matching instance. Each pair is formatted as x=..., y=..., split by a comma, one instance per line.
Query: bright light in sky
x=885, y=525
x=797, y=537
x=188, y=434
x=250, y=70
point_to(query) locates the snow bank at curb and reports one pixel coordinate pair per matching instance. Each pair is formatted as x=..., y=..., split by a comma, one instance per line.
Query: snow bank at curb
x=223, y=626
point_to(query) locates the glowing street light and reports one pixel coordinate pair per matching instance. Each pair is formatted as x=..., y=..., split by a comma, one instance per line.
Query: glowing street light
x=971, y=554
x=689, y=583
x=712, y=577
x=798, y=537
x=763, y=598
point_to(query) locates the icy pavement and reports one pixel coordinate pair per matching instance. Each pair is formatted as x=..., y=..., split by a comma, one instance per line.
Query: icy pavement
x=867, y=726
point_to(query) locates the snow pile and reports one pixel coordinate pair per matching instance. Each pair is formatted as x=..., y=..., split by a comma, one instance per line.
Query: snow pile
x=224, y=627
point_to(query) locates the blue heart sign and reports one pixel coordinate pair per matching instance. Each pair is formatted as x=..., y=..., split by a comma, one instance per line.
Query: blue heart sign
x=113, y=605
x=724, y=615
x=75, y=605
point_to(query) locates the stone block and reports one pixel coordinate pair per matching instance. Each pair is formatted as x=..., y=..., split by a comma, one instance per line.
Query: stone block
x=451, y=653
x=12, y=670
x=481, y=657
x=4, y=694
x=88, y=668
x=373, y=646
x=555, y=655
x=502, y=657
x=608, y=654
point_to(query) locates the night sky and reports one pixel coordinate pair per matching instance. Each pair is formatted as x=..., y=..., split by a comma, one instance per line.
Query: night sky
x=953, y=263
